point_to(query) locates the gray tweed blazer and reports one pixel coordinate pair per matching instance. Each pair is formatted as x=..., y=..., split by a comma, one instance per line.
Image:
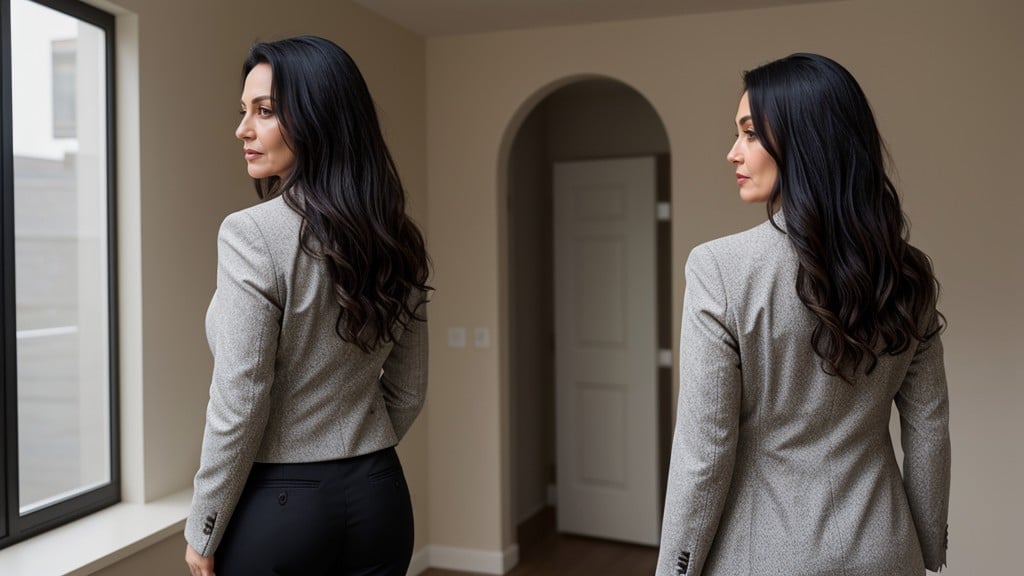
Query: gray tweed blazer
x=285, y=387
x=779, y=468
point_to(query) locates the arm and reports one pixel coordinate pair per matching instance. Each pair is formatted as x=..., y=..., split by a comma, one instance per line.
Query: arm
x=923, y=404
x=198, y=565
x=243, y=325
x=707, y=422
x=404, y=381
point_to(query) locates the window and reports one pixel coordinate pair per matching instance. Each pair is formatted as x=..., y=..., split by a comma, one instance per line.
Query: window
x=64, y=87
x=58, y=306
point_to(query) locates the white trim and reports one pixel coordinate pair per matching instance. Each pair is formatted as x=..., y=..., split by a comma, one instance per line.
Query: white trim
x=474, y=560
x=664, y=212
x=98, y=540
x=420, y=561
x=510, y=558
x=62, y=496
x=45, y=332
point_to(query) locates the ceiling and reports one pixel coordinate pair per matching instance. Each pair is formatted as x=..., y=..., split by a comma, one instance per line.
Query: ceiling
x=444, y=17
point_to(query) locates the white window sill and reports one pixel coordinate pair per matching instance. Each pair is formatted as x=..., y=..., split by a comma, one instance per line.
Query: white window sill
x=98, y=540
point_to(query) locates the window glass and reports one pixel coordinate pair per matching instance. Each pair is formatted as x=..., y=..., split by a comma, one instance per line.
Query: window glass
x=61, y=254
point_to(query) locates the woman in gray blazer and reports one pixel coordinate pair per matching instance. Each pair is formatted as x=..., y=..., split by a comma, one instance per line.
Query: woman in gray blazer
x=318, y=333
x=797, y=338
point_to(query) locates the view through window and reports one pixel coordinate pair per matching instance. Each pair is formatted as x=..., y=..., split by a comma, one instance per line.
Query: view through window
x=59, y=371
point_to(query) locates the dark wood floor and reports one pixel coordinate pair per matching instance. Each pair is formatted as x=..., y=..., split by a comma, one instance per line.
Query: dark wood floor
x=545, y=553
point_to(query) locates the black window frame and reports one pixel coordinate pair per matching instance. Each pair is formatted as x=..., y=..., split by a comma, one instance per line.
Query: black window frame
x=13, y=526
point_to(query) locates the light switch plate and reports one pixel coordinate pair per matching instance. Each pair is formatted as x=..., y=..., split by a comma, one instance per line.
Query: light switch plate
x=456, y=337
x=482, y=337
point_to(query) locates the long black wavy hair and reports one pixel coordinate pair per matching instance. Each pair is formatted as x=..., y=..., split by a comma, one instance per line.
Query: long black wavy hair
x=345, y=185
x=871, y=291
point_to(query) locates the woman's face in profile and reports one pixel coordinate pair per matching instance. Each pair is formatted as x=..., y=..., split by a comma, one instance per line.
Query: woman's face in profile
x=756, y=170
x=266, y=149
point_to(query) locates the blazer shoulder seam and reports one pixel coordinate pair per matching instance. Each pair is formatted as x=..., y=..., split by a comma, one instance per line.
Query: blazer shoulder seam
x=270, y=253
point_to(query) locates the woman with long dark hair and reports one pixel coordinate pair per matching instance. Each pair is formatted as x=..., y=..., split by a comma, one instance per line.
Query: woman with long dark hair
x=797, y=338
x=318, y=332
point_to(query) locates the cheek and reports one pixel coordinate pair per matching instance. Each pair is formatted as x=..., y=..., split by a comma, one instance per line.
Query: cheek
x=270, y=135
x=278, y=146
x=274, y=139
x=766, y=166
x=285, y=151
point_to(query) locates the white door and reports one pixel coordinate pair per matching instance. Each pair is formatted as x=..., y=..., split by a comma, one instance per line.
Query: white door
x=605, y=349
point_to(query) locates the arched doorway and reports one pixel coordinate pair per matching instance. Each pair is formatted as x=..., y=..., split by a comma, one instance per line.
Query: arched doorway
x=589, y=119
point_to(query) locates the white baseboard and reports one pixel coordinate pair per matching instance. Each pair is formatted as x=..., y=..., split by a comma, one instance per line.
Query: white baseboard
x=420, y=561
x=473, y=560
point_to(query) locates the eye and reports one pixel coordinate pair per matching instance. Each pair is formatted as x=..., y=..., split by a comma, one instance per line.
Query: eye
x=750, y=135
x=264, y=111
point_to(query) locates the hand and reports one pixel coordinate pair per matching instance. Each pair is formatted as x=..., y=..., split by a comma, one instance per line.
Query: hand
x=198, y=565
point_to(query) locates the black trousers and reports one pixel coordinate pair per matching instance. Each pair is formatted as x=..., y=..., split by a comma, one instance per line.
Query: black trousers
x=349, y=517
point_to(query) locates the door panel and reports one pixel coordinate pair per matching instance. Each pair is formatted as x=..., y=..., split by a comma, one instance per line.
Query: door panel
x=606, y=351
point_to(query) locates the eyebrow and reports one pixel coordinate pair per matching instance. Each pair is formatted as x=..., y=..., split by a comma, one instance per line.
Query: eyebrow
x=258, y=99
x=743, y=120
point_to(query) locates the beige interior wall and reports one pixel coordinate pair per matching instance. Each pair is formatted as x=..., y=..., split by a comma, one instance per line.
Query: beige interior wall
x=941, y=77
x=179, y=124
x=597, y=118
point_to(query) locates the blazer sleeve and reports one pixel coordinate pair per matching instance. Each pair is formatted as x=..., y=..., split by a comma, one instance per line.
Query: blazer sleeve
x=923, y=404
x=242, y=325
x=404, y=379
x=707, y=421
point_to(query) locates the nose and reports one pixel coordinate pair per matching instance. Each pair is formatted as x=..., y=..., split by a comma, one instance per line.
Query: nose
x=244, y=131
x=734, y=156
